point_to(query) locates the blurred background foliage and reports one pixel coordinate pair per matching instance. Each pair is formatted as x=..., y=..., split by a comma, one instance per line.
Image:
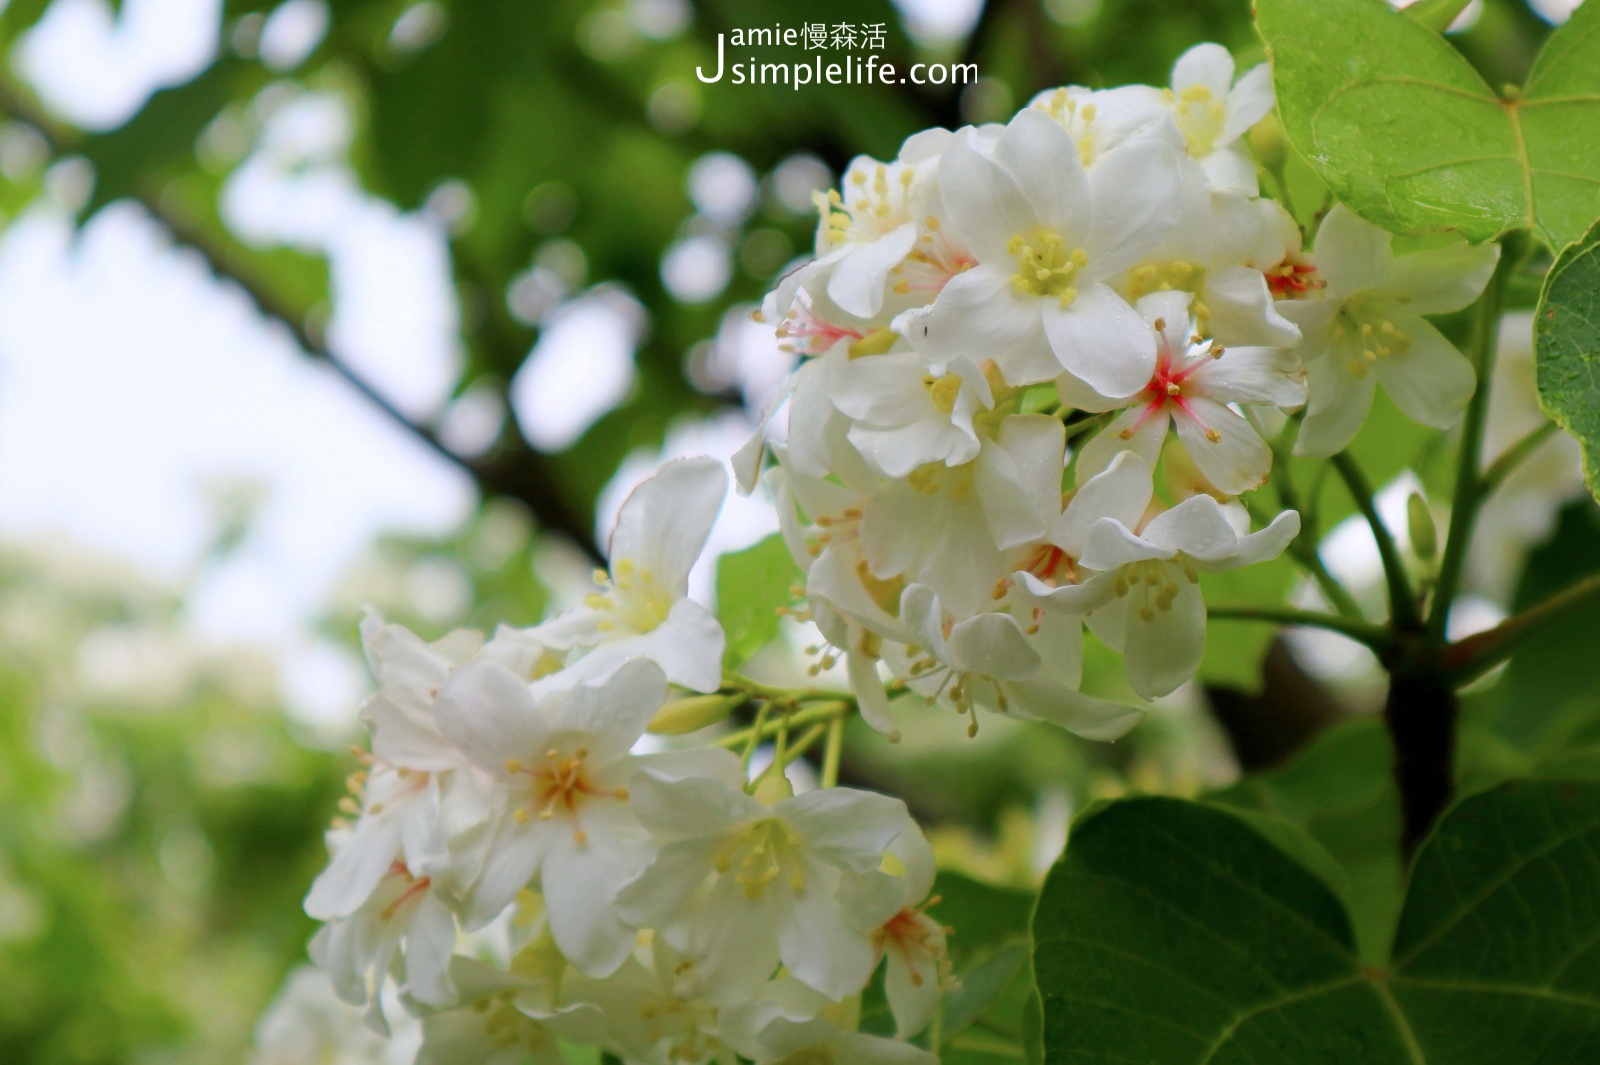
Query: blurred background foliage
x=161, y=817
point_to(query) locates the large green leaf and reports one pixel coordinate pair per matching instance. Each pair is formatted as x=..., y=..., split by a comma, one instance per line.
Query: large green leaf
x=1567, y=347
x=1408, y=134
x=752, y=586
x=1174, y=933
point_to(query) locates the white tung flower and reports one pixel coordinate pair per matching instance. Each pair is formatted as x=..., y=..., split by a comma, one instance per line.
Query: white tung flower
x=642, y=608
x=1145, y=602
x=1192, y=386
x=1048, y=236
x=563, y=770
x=506, y=1017
x=1214, y=112
x=1368, y=329
x=741, y=886
x=908, y=412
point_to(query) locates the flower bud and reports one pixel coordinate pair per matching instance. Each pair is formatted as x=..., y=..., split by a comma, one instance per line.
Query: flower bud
x=692, y=714
x=1269, y=142
x=1424, y=537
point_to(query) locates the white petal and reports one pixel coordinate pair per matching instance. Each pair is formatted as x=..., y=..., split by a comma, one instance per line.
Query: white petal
x=867, y=685
x=1129, y=431
x=1443, y=279
x=1337, y=402
x=858, y=278
x=1112, y=544
x=663, y=524
x=914, y=998
x=1196, y=527
x=1037, y=445
x=1231, y=169
x=510, y=863
x=1163, y=647
x=1210, y=65
x=1102, y=341
x=1072, y=599
x=1042, y=157
x=1240, y=309
x=845, y=827
x=1011, y=507
x=1352, y=253
x=985, y=202
x=1122, y=491
x=613, y=712
x=1249, y=102
x=487, y=711
x=1134, y=189
x=355, y=868
x=658, y=893
x=981, y=310
x=1430, y=381
x=821, y=945
x=430, y=941
x=1236, y=461
x=690, y=807
x=1252, y=375
x=993, y=645
x=1082, y=715
x=580, y=882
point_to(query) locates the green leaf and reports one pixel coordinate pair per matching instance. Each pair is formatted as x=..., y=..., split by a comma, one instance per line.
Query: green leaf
x=980, y=988
x=751, y=587
x=1410, y=136
x=1173, y=932
x=1567, y=347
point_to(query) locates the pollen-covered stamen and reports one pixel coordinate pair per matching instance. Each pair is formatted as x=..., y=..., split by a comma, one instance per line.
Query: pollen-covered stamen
x=1367, y=321
x=1051, y=565
x=879, y=201
x=944, y=391
x=915, y=937
x=561, y=784
x=760, y=855
x=631, y=595
x=508, y=1026
x=1166, y=391
x=1046, y=266
x=1294, y=278
x=1200, y=117
x=1076, y=116
x=1153, y=585
x=834, y=529
x=803, y=332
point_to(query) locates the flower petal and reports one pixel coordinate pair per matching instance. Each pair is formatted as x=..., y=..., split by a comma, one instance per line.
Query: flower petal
x=663, y=524
x=1240, y=309
x=1352, y=253
x=1430, y=381
x=985, y=202
x=857, y=281
x=845, y=827
x=1129, y=431
x=1164, y=643
x=1102, y=341
x=1133, y=189
x=1122, y=491
x=1443, y=279
x=1248, y=103
x=1112, y=544
x=992, y=645
x=487, y=711
x=1209, y=65
x=1235, y=459
x=1337, y=402
x=1253, y=375
x=1042, y=158
x=613, y=713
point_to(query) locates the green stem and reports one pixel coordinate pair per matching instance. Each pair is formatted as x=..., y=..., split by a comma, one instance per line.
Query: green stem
x=1474, y=656
x=800, y=746
x=751, y=737
x=1468, y=490
x=756, y=690
x=1303, y=548
x=1402, y=600
x=765, y=729
x=834, y=752
x=1374, y=636
x=1513, y=457
x=1078, y=428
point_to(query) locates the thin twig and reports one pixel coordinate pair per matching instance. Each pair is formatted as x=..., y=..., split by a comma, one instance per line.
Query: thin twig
x=1402, y=601
x=1374, y=636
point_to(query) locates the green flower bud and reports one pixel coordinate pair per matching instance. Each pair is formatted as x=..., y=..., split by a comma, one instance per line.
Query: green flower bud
x=692, y=714
x=1424, y=537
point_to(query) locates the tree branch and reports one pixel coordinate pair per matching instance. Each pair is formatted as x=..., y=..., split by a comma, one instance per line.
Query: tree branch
x=1402, y=601
x=1378, y=638
x=1472, y=657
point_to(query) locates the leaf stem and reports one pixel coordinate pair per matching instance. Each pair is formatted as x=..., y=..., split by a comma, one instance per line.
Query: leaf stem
x=1513, y=457
x=1402, y=600
x=1303, y=548
x=1468, y=490
x=1378, y=638
x=765, y=728
x=833, y=753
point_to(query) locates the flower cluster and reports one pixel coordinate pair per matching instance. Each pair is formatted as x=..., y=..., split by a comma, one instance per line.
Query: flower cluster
x=1093, y=297
x=1094, y=294
x=656, y=903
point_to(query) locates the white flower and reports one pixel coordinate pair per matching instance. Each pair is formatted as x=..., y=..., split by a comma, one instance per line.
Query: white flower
x=563, y=769
x=642, y=608
x=1368, y=330
x=1048, y=236
x=989, y=661
x=908, y=412
x=656, y=1011
x=1146, y=602
x=817, y=1041
x=506, y=1017
x=365, y=943
x=948, y=526
x=1100, y=120
x=740, y=886
x=867, y=231
x=912, y=942
x=1213, y=113
x=1192, y=386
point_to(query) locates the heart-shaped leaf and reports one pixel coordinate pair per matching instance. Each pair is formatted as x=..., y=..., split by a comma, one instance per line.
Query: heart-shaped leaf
x=1175, y=933
x=1407, y=133
x=1567, y=347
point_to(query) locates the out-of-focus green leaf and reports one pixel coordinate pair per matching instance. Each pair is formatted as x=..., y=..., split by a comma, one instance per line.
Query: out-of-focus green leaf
x=1408, y=134
x=752, y=585
x=1174, y=932
x=1567, y=346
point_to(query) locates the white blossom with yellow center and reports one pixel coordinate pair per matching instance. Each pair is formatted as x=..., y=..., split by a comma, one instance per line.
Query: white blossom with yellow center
x=1213, y=112
x=1366, y=328
x=641, y=608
